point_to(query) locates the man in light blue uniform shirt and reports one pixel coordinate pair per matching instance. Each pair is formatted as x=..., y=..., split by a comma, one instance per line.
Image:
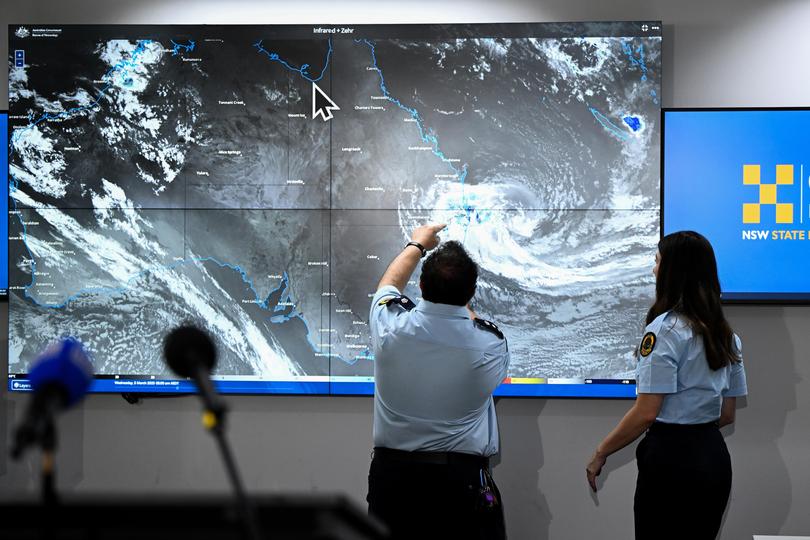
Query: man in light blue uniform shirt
x=436, y=366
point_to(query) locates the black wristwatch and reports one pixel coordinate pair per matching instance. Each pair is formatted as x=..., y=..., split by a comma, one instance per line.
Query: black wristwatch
x=417, y=244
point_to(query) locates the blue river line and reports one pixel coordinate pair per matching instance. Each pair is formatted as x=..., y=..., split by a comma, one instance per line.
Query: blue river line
x=429, y=137
x=178, y=47
x=123, y=66
x=612, y=128
x=302, y=70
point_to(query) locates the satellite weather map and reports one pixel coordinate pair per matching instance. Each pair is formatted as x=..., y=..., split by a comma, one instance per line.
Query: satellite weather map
x=257, y=180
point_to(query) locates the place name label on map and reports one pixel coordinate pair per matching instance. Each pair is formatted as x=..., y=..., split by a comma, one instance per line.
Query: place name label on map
x=296, y=182
x=296, y=115
x=232, y=102
x=351, y=149
x=369, y=108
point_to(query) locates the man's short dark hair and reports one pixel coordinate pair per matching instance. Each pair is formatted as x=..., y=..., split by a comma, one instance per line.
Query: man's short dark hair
x=449, y=275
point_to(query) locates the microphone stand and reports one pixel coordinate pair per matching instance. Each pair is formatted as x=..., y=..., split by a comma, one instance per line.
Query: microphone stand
x=38, y=428
x=213, y=420
x=48, y=443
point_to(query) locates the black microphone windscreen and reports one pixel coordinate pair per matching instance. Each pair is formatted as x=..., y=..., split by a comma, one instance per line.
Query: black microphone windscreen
x=187, y=348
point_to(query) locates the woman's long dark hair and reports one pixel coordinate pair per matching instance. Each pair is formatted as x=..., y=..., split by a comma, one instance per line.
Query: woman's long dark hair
x=687, y=284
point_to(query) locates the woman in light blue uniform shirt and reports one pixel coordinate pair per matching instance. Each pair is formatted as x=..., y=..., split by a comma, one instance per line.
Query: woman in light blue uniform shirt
x=688, y=377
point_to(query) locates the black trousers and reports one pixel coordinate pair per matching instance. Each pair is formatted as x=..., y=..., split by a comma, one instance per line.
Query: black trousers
x=684, y=480
x=424, y=501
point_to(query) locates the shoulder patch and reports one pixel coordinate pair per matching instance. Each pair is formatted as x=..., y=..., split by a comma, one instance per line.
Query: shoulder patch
x=647, y=344
x=402, y=301
x=488, y=326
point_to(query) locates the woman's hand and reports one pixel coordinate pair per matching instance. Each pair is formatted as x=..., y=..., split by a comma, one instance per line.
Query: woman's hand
x=640, y=416
x=594, y=468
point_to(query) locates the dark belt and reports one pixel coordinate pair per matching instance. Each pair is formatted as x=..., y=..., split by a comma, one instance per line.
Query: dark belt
x=663, y=426
x=432, y=458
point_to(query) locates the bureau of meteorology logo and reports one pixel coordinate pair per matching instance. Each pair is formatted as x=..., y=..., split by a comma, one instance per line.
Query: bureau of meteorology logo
x=778, y=198
x=22, y=32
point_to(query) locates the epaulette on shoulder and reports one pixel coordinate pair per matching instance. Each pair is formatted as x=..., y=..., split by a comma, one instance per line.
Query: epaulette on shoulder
x=402, y=301
x=484, y=324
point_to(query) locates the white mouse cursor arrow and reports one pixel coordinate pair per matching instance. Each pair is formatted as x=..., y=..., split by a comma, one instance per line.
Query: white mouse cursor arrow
x=322, y=104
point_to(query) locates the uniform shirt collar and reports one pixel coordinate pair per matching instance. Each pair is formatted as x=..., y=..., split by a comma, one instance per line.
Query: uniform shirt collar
x=442, y=310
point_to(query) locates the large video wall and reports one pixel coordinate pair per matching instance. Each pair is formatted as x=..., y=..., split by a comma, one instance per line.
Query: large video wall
x=170, y=174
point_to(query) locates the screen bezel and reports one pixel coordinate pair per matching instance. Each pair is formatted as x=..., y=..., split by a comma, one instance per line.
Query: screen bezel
x=736, y=298
x=4, y=292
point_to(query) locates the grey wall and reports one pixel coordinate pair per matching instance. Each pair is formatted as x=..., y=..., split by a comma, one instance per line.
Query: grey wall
x=724, y=52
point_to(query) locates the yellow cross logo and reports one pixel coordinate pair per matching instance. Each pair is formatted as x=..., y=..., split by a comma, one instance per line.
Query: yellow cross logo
x=767, y=193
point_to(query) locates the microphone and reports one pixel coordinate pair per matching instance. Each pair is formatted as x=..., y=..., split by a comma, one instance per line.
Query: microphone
x=190, y=352
x=60, y=378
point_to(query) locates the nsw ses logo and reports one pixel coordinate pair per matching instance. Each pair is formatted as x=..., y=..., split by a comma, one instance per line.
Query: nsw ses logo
x=768, y=194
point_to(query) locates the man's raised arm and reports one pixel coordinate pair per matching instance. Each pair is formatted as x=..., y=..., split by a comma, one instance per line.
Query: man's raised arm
x=399, y=271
